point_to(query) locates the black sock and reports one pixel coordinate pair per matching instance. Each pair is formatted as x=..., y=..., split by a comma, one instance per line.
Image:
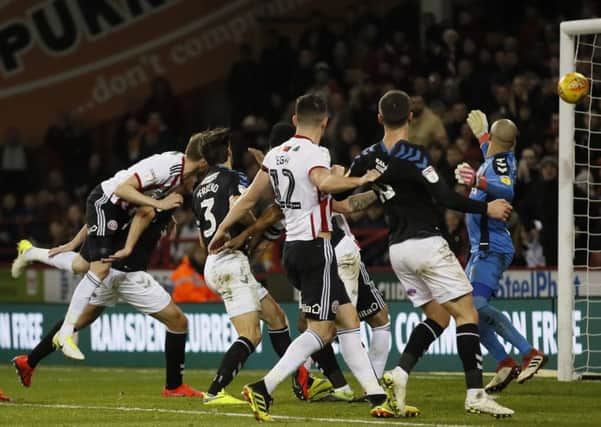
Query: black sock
x=468, y=347
x=175, y=356
x=328, y=364
x=44, y=347
x=421, y=337
x=280, y=340
x=231, y=363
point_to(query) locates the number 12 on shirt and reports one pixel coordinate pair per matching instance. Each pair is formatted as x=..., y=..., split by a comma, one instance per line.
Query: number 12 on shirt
x=289, y=190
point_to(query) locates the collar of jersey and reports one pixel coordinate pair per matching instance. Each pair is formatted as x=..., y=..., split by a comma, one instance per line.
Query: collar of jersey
x=393, y=148
x=303, y=137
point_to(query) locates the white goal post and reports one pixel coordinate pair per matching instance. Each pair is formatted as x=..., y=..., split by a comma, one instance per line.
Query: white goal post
x=570, y=31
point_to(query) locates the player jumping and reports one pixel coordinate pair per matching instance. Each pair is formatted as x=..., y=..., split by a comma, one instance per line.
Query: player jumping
x=433, y=279
x=298, y=172
x=127, y=280
x=492, y=248
x=107, y=211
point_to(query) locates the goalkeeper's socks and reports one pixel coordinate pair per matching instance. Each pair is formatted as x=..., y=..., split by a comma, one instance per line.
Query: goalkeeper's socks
x=489, y=340
x=302, y=347
x=468, y=347
x=175, y=356
x=44, y=347
x=356, y=358
x=232, y=362
x=79, y=300
x=421, y=337
x=504, y=328
x=62, y=261
x=326, y=360
x=280, y=340
x=378, y=348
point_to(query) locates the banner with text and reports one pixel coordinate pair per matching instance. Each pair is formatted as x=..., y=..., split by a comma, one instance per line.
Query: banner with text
x=123, y=337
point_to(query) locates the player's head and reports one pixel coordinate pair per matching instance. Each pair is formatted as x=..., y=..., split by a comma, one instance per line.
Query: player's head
x=394, y=109
x=503, y=132
x=280, y=133
x=215, y=146
x=311, y=113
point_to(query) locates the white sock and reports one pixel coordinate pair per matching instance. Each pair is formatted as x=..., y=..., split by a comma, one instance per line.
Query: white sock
x=379, y=348
x=79, y=300
x=345, y=387
x=357, y=360
x=302, y=347
x=62, y=261
x=473, y=393
x=37, y=254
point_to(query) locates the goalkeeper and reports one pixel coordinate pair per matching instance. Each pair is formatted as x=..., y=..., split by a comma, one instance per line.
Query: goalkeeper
x=492, y=248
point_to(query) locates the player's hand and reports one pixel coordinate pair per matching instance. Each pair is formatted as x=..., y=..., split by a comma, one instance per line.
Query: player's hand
x=67, y=247
x=499, y=209
x=257, y=154
x=465, y=174
x=478, y=123
x=117, y=256
x=218, y=241
x=173, y=200
x=370, y=176
x=237, y=242
x=337, y=170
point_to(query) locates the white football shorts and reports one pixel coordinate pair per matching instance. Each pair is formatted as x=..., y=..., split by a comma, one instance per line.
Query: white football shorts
x=428, y=270
x=138, y=288
x=228, y=273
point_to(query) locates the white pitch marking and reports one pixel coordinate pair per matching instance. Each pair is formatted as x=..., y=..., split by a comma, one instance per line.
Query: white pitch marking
x=232, y=414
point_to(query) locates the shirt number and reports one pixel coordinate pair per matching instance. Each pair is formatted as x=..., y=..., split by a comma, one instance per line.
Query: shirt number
x=287, y=201
x=207, y=205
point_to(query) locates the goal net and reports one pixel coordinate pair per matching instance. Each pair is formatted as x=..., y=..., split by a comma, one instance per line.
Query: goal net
x=579, y=239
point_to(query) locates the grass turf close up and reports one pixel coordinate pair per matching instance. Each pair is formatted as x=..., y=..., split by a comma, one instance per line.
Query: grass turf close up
x=110, y=396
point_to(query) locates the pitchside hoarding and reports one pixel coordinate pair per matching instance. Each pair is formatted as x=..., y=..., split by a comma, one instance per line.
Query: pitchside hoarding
x=123, y=337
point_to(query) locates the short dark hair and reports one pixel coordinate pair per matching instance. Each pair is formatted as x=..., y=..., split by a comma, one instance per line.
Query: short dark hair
x=311, y=109
x=214, y=144
x=280, y=133
x=394, y=106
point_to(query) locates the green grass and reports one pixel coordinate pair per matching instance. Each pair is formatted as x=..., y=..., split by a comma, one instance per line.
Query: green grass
x=85, y=396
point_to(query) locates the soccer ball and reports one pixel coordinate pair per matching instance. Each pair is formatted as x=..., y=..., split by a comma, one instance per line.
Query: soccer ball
x=572, y=87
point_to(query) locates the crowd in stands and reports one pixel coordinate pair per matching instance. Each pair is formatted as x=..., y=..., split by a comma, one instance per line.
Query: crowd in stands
x=487, y=57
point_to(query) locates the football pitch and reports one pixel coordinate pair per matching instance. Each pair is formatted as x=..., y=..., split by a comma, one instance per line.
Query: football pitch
x=86, y=396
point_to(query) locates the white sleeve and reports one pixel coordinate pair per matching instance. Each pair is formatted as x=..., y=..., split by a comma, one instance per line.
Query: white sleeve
x=320, y=158
x=152, y=171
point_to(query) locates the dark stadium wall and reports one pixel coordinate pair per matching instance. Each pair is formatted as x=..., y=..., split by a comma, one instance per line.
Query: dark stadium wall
x=95, y=58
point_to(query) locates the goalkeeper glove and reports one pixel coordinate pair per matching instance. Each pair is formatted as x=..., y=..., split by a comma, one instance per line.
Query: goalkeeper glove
x=478, y=123
x=466, y=175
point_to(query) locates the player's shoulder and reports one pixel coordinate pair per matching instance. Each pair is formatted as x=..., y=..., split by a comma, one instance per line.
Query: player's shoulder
x=367, y=152
x=415, y=154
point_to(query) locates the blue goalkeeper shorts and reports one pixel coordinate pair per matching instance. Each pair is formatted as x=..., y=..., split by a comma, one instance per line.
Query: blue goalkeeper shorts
x=484, y=270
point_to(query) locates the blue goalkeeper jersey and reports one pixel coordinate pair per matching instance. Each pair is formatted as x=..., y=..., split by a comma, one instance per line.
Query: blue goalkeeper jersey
x=486, y=233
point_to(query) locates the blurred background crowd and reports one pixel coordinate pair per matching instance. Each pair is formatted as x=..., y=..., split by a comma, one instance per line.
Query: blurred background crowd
x=501, y=58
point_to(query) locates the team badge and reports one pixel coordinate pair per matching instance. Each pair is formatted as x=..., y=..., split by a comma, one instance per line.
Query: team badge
x=335, y=305
x=506, y=180
x=112, y=225
x=430, y=174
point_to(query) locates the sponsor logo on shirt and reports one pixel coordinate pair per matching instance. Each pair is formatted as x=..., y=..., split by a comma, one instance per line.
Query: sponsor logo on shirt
x=430, y=174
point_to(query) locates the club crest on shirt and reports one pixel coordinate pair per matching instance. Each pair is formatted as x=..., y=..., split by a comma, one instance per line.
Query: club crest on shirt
x=430, y=174
x=500, y=166
x=505, y=180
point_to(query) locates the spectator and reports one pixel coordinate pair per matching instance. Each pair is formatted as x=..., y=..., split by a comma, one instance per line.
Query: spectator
x=457, y=235
x=14, y=164
x=189, y=285
x=426, y=127
x=540, y=212
x=156, y=137
x=163, y=101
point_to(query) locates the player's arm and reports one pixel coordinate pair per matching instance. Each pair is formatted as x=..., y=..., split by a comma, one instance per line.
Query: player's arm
x=259, y=187
x=73, y=244
x=326, y=182
x=270, y=216
x=355, y=203
x=478, y=123
x=129, y=191
x=139, y=223
x=496, y=184
x=446, y=196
